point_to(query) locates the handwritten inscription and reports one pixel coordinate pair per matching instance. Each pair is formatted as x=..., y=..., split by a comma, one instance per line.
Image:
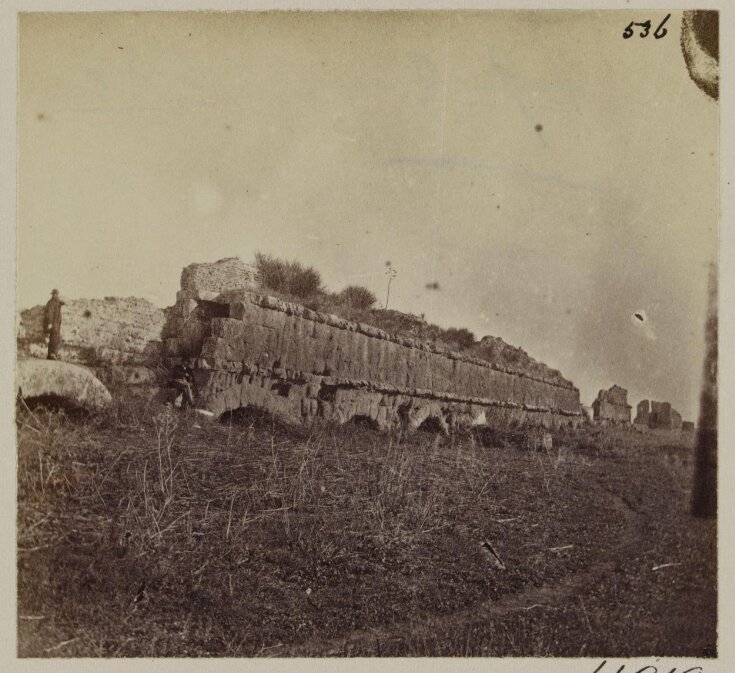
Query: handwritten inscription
x=603, y=668
x=645, y=27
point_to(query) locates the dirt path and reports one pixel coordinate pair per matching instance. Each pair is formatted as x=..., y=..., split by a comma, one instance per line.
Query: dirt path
x=550, y=595
x=358, y=641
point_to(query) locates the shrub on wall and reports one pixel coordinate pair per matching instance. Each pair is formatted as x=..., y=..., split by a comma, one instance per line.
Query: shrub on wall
x=287, y=277
x=459, y=338
x=357, y=297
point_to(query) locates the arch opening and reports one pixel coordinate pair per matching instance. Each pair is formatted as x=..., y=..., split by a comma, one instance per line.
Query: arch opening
x=432, y=425
x=248, y=416
x=363, y=421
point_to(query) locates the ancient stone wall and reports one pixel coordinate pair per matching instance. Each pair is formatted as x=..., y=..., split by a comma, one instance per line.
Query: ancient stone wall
x=117, y=330
x=611, y=406
x=249, y=349
x=120, y=335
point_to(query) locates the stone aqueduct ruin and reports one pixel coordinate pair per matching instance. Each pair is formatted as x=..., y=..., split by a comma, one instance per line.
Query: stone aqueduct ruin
x=249, y=349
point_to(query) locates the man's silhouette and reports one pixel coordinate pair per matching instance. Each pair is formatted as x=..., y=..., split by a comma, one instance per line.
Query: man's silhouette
x=182, y=379
x=52, y=324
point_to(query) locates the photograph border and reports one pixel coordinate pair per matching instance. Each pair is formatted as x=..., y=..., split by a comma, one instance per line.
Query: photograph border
x=724, y=663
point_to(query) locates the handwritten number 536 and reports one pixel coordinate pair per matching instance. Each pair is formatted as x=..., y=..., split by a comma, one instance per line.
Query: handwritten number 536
x=646, y=26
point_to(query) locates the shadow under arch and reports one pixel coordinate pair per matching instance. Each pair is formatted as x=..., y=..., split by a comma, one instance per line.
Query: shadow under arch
x=433, y=425
x=362, y=421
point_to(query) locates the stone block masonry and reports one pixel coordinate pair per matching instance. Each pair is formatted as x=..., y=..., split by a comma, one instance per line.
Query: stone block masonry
x=249, y=349
x=611, y=406
x=113, y=331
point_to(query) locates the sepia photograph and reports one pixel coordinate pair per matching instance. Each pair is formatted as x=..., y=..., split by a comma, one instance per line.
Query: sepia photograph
x=368, y=334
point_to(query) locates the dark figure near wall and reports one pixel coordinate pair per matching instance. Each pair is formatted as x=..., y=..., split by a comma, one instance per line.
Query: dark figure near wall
x=182, y=379
x=52, y=324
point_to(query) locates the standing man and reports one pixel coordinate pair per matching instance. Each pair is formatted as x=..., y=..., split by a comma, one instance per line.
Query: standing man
x=52, y=323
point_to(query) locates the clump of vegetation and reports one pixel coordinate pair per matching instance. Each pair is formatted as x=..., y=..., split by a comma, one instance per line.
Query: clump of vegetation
x=288, y=277
x=458, y=339
x=357, y=297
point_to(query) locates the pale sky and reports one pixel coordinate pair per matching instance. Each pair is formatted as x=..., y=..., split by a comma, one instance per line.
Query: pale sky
x=150, y=141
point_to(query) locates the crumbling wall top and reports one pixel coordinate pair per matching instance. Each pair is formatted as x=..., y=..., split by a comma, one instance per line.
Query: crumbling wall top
x=614, y=395
x=230, y=273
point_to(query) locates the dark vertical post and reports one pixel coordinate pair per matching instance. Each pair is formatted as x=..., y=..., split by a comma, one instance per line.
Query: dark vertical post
x=704, y=494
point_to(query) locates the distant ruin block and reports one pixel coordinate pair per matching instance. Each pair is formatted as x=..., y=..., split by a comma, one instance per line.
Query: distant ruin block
x=687, y=426
x=658, y=416
x=643, y=413
x=676, y=421
x=611, y=406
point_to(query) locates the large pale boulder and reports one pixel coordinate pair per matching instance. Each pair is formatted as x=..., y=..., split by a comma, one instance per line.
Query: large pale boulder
x=72, y=383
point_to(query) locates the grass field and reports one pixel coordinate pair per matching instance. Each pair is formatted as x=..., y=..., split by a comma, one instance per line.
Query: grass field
x=150, y=532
